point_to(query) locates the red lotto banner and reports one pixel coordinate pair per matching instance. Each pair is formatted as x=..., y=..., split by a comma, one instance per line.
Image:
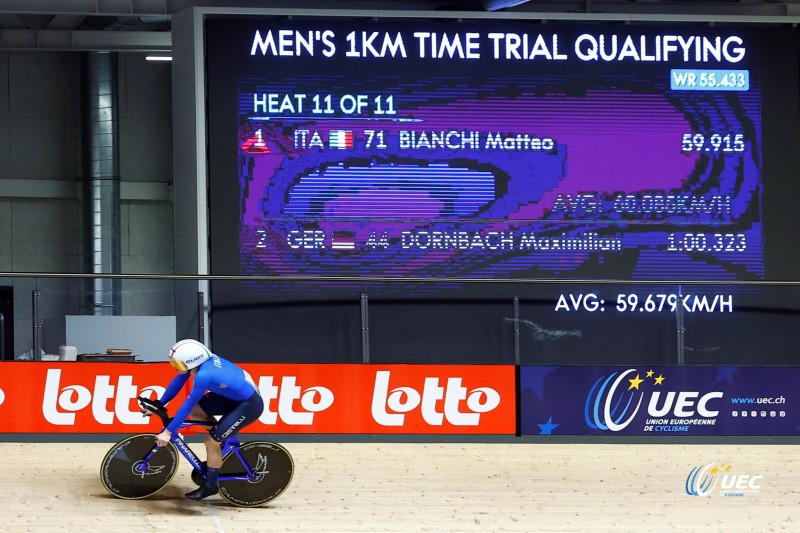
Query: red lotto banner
x=82, y=397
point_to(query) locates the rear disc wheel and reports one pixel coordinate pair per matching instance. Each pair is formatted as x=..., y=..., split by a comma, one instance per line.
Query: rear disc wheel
x=273, y=467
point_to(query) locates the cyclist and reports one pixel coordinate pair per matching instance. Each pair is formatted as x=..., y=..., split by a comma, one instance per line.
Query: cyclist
x=220, y=388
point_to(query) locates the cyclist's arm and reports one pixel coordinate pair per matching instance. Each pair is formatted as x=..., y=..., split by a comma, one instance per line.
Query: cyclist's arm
x=197, y=392
x=174, y=387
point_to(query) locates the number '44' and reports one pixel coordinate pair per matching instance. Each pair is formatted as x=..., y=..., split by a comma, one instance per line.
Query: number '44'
x=374, y=242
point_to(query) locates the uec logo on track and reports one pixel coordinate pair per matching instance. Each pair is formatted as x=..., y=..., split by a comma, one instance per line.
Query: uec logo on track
x=700, y=482
x=604, y=407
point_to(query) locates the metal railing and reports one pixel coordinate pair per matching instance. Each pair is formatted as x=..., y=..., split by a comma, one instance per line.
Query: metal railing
x=514, y=298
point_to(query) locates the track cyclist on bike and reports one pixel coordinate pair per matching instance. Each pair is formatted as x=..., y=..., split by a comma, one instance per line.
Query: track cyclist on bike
x=220, y=388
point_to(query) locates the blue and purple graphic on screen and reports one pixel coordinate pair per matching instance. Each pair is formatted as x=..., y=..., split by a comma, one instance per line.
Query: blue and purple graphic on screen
x=623, y=169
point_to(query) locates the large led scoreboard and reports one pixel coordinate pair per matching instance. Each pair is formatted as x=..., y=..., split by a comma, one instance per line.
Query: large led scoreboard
x=486, y=149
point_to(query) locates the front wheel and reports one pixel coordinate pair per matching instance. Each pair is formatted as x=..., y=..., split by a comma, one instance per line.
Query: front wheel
x=120, y=472
x=273, y=469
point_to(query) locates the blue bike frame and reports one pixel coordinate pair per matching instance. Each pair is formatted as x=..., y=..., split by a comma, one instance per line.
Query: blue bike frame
x=230, y=445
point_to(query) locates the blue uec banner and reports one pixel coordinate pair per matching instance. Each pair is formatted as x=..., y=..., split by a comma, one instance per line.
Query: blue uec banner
x=712, y=401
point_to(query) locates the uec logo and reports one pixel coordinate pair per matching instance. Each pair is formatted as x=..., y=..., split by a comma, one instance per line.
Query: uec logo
x=699, y=482
x=604, y=410
x=703, y=479
x=609, y=409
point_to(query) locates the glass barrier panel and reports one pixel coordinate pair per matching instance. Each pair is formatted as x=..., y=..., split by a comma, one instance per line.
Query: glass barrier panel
x=389, y=321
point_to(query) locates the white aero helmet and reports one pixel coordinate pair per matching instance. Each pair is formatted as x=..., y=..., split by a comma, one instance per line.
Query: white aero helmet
x=188, y=354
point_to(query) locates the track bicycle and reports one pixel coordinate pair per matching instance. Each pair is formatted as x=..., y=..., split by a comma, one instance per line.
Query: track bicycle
x=252, y=473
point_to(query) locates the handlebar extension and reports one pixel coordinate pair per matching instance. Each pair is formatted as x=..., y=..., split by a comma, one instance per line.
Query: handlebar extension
x=155, y=407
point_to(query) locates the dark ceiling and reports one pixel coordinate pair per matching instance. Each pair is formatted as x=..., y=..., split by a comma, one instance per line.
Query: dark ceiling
x=145, y=24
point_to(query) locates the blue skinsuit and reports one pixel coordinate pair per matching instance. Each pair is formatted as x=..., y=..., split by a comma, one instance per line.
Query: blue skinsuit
x=217, y=375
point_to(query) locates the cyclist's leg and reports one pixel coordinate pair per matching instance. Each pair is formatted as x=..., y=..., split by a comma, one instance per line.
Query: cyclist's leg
x=213, y=405
x=198, y=413
x=210, y=406
x=213, y=464
x=243, y=414
x=271, y=465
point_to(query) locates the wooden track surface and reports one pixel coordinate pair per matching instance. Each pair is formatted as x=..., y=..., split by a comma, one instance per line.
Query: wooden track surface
x=348, y=487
